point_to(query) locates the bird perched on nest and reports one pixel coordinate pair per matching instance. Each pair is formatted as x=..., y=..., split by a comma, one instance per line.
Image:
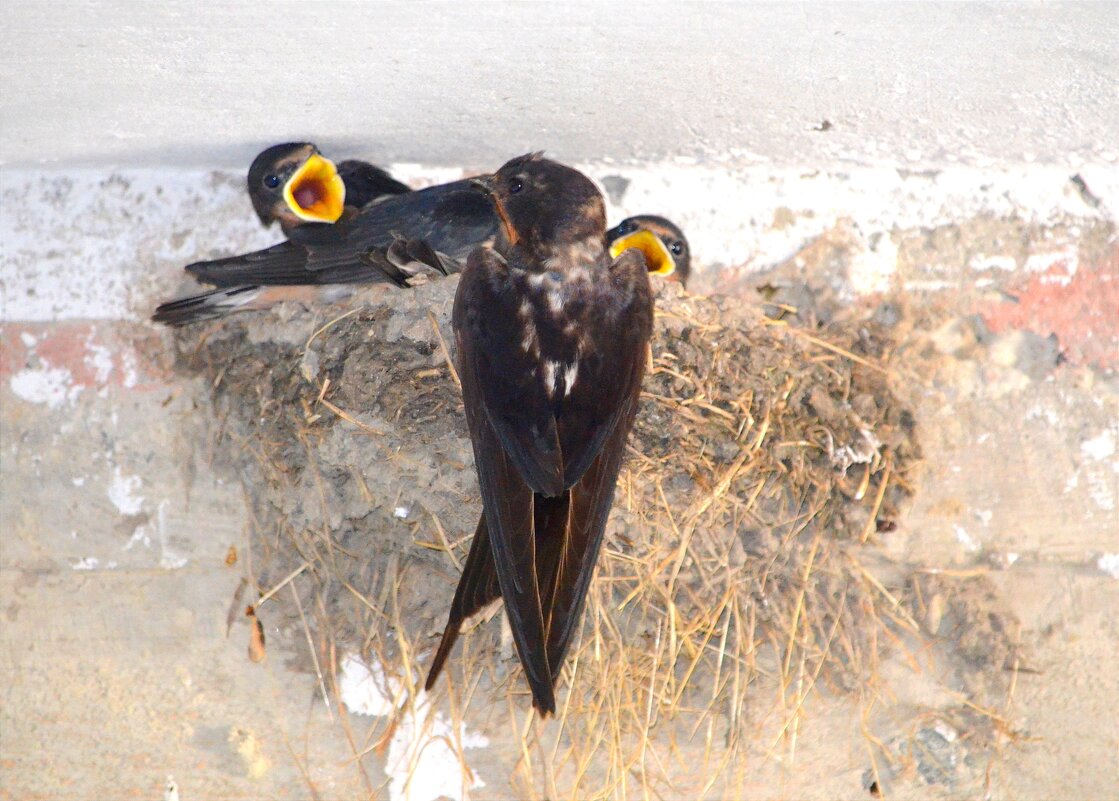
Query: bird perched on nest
x=293, y=184
x=397, y=236
x=551, y=336
x=397, y=239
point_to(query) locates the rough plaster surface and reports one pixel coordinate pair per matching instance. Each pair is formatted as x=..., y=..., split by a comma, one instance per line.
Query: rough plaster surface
x=116, y=523
x=110, y=244
x=946, y=122
x=121, y=83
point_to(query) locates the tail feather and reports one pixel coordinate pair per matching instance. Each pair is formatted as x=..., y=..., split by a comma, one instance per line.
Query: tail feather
x=207, y=306
x=476, y=589
x=478, y=586
x=229, y=300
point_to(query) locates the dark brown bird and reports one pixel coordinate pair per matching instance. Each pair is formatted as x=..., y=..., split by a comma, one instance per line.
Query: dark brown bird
x=295, y=185
x=551, y=337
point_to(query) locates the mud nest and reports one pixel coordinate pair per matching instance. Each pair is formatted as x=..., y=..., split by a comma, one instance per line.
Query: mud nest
x=763, y=460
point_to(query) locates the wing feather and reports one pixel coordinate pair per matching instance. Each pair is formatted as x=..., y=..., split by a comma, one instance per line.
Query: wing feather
x=507, y=499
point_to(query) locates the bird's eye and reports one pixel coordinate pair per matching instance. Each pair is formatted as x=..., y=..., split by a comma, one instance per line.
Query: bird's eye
x=677, y=247
x=626, y=226
x=515, y=186
x=271, y=181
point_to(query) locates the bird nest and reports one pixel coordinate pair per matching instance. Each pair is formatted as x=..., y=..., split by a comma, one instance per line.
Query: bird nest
x=763, y=460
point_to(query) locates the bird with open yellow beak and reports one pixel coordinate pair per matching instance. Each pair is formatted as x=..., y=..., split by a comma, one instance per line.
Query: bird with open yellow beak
x=294, y=183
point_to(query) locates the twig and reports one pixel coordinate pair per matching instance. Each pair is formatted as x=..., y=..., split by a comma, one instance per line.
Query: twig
x=311, y=648
x=443, y=348
x=290, y=577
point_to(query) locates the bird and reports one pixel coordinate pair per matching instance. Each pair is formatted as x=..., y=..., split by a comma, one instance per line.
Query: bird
x=551, y=335
x=294, y=185
x=450, y=219
x=670, y=235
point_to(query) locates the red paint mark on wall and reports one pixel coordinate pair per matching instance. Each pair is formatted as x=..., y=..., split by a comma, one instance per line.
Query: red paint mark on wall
x=96, y=355
x=1078, y=303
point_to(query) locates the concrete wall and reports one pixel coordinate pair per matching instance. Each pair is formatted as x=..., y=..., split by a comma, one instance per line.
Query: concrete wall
x=190, y=84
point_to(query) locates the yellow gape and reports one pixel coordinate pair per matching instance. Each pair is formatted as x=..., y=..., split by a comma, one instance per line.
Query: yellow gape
x=657, y=258
x=316, y=192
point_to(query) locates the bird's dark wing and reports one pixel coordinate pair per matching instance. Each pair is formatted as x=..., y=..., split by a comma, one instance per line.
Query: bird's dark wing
x=516, y=450
x=414, y=257
x=590, y=502
x=610, y=373
x=206, y=306
x=478, y=587
x=366, y=182
x=290, y=263
x=509, y=391
x=595, y=422
x=452, y=219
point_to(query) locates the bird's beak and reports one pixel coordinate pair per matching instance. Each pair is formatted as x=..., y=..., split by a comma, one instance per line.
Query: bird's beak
x=657, y=258
x=486, y=183
x=316, y=192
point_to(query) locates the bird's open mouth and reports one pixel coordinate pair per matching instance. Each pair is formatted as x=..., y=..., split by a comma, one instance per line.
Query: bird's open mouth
x=657, y=258
x=316, y=192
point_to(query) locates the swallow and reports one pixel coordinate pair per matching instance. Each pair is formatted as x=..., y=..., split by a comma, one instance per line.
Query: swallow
x=450, y=219
x=551, y=335
x=295, y=185
x=627, y=233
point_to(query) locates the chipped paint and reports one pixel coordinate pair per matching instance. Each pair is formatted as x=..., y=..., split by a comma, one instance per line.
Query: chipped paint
x=1109, y=563
x=985, y=263
x=99, y=359
x=103, y=266
x=1073, y=299
x=1054, y=268
x=1100, y=447
x=1098, y=469
x=424, y=759
x=1101, y=489
x=969, y=542
x=100, y=263
x=171, y=790
x=46, y=385
x=123, y=492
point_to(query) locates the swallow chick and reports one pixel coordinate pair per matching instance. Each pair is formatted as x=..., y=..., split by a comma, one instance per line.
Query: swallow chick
x=403, y=239
x=551, y=334
x=293, y=184
x=451, y=218
x=672, y=259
